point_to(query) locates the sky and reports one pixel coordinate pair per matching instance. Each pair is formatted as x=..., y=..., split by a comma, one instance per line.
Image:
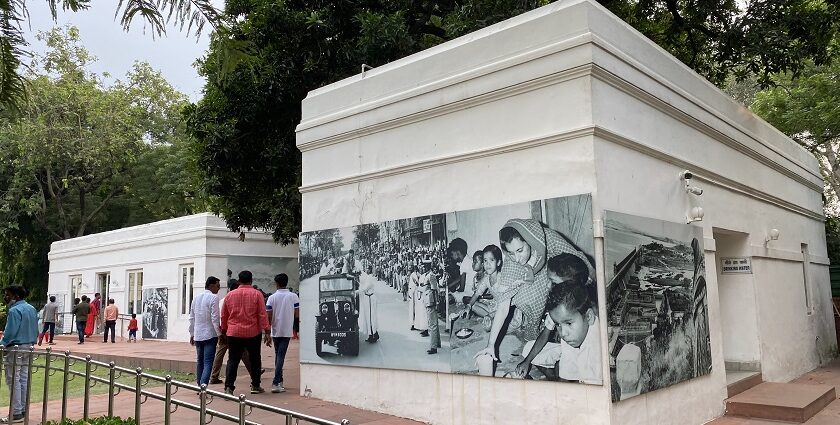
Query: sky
x=173, y=54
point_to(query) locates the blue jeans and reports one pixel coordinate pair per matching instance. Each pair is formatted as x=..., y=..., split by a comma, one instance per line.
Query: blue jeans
x=80, y=329
x=281, y=344
x=205, y=353
x=18, y=377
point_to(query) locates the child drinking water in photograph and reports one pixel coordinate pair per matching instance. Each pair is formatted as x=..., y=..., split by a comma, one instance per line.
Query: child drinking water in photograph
x=571, y=316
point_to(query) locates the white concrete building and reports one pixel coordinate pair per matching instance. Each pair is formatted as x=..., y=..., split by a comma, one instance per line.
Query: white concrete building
x=563, y=100
x=173, y=257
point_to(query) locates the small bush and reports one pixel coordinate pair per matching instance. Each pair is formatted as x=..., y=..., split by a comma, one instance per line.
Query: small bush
x=105, y=420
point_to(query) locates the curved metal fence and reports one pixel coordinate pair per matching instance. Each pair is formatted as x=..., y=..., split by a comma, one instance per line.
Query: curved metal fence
x=19, y=362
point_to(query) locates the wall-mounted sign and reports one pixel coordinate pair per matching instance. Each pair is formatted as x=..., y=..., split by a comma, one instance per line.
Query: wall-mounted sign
x=732, y=265
x=427, y=225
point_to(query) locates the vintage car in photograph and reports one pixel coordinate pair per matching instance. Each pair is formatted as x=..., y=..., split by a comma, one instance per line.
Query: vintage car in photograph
x=337, y=322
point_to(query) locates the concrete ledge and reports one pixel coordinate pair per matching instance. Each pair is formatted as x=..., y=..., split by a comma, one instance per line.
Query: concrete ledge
x=743, y=384
x=781, y=402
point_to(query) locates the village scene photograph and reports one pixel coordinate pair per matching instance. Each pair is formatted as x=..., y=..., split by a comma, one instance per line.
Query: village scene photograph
x=656, y=304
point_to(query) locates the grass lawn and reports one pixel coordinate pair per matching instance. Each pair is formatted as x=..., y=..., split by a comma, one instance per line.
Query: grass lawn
x=76, y=386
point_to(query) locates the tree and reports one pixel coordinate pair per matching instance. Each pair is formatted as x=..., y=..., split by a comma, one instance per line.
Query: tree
x=365, y=236
x=806, y=109
x=722, y=38
x=73, y=144
x=244, y=126
x=191, y=15
x=83, y=157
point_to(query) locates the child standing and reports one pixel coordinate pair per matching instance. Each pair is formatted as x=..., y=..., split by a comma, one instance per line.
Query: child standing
x=132, y=328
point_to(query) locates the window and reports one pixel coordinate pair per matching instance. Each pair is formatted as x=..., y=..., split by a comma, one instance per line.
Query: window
x=135, y=291
x=187, y=279
x=76, y=285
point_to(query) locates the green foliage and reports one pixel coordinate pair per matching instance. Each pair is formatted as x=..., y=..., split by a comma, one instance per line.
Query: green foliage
x=720, y=38
x=832, y=238
x=244, y=126
x=83, y=157
x=104, y=420
x=190, y=14
x=806, y=109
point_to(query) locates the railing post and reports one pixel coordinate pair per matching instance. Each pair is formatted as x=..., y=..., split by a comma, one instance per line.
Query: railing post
x=64, y=385
x=137, y=385
x=47, y=366
x=202, y=413
x=28, y=398
x=167, y=400
x=86, y=411
x=241, y=409
x=111, y=378
x=13, y=379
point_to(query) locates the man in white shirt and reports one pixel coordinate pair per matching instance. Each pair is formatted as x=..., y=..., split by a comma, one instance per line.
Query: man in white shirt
x=369, y=319
x=205, y=329
x=283, y=308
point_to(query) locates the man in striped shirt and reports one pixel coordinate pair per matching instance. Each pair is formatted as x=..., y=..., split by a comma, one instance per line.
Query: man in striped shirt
x=244, y=324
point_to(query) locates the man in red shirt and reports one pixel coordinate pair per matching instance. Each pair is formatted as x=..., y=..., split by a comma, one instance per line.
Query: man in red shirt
x=244, y=324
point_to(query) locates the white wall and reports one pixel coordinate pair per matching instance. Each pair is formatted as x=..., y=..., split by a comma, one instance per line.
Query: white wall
x=159, y=250
x=564, y=100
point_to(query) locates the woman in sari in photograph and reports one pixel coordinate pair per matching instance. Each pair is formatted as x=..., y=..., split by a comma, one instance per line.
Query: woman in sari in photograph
x=527, y=244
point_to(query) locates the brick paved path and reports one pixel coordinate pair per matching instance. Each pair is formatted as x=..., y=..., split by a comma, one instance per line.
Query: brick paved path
x=181, y=356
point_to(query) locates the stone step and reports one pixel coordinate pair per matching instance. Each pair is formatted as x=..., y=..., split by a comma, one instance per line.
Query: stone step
x=738, y=382
x=781, y=402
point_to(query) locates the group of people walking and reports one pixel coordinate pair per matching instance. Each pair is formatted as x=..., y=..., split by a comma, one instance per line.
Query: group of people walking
x=238, y=324
x=89, y=317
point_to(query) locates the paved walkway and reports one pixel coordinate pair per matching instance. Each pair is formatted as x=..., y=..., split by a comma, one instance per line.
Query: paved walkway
x=163, y=354
x=181, y=356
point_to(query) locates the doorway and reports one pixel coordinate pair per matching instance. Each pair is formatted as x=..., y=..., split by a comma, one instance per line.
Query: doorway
x=738, y=307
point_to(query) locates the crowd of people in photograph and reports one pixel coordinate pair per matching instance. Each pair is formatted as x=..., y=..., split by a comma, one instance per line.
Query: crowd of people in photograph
x=535, y=283
x=412, y=271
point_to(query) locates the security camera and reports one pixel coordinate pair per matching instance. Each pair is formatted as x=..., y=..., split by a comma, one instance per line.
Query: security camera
x=686, y=176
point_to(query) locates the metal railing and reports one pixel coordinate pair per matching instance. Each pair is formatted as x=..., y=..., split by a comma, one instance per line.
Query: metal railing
x=66, y=324
x=19, y=360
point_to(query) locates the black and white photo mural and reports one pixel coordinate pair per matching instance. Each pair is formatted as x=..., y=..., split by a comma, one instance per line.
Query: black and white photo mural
x=657, y=308
x=506, y=291
x=155, y=313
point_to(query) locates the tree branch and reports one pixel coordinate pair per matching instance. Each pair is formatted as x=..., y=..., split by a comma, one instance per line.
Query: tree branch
x=59, y=204
x=85, y=220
